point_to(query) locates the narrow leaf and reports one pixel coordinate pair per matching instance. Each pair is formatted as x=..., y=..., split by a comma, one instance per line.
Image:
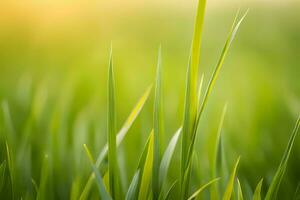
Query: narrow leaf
x=132, y=190
x=195, y=194
x=230, y=185
x=42, y=193
x=257, y=195
x=274, y=187
x=240, y=191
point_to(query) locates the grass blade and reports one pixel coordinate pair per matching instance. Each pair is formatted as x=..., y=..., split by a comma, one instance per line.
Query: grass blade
x=166, y=160
x=158, y=128
x=195, y=194
x=274, y=187
x=11, y=169
x=102, y=191
x=147, y=170
x=240, y=191
x=111, y=133
x=121, y=135
x=257, y=195
x=191, y=103
x=214, y=156
x=169, y=192
x=230, y=185
x=132, y=190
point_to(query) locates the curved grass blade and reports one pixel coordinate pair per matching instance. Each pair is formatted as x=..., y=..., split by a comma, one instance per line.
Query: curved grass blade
x=274, y=187
x=158, y=128
x=169, y=192
x=132, y=190
x=230, y=185
x=166, y=160
x=195, y=194
x=102, y=191
x=257, y=195
x=147, y=170
x=121, y=135
x=297, y=193
x=240, y=191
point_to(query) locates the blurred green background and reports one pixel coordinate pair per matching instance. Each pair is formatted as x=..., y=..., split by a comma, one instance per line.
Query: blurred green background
x=53, y=74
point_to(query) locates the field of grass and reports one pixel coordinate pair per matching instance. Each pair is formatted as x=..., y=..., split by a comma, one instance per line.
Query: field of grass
x=74, y=76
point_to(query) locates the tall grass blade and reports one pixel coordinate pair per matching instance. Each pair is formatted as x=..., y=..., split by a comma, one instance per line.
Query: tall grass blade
x=132, y=190
x=147, y=170
x=230, y=185
x=190, y=109
x=240, y=191
x=214, y=156
x=121, y=135
x=198, y=192
x=274, y=187
x=166, y=160
x=257, y=195
x=158, y=127
x=11, y=170
x=111, y=133
x=102, y=191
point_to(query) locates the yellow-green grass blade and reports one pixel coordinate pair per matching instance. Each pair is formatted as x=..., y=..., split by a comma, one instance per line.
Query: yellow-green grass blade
x=147, y=170
x=257, y=192
x=213, y=78
x=11, y=169
x=133, y=187
x=121, y=135
x=274, y=187
x=191, y=104
x=192, y=79
x=10, y=132
x=166, y=159
x=214, y=155
x=230, y=184
x=111, y=133
x=198, y=192
x=102, y=191
x=157, y=127
x=2, y=174
x=240, y=191
x=42, y=192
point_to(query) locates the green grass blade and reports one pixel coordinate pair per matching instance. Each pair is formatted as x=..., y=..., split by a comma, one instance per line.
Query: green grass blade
x=257, y=195
x=102, y=191
x=274, y=187
x=2, y=174
x=191, y=103
x=132, y=190
x=230, y=184
x=197, y=192
x=240, y=191
x=121, y=135
x=42, y=193
x=147, y=170
x=11, y=169
x=169, y=192
x=166, y=159
x=111, y=133
x=158, y=128
x=214, y=155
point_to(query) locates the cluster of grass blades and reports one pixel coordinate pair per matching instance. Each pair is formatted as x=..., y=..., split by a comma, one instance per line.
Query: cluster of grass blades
x=150, y=178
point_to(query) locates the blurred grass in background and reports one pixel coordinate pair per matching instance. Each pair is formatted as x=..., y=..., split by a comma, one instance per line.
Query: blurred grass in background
x=53, y=67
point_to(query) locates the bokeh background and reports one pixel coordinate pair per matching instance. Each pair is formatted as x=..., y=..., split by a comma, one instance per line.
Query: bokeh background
x=53, y=74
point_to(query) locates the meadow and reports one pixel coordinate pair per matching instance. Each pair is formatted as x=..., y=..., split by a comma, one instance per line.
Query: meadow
x=74, y=75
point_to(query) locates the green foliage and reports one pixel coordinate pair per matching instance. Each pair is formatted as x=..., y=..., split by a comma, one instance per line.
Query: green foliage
x=257, y=192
